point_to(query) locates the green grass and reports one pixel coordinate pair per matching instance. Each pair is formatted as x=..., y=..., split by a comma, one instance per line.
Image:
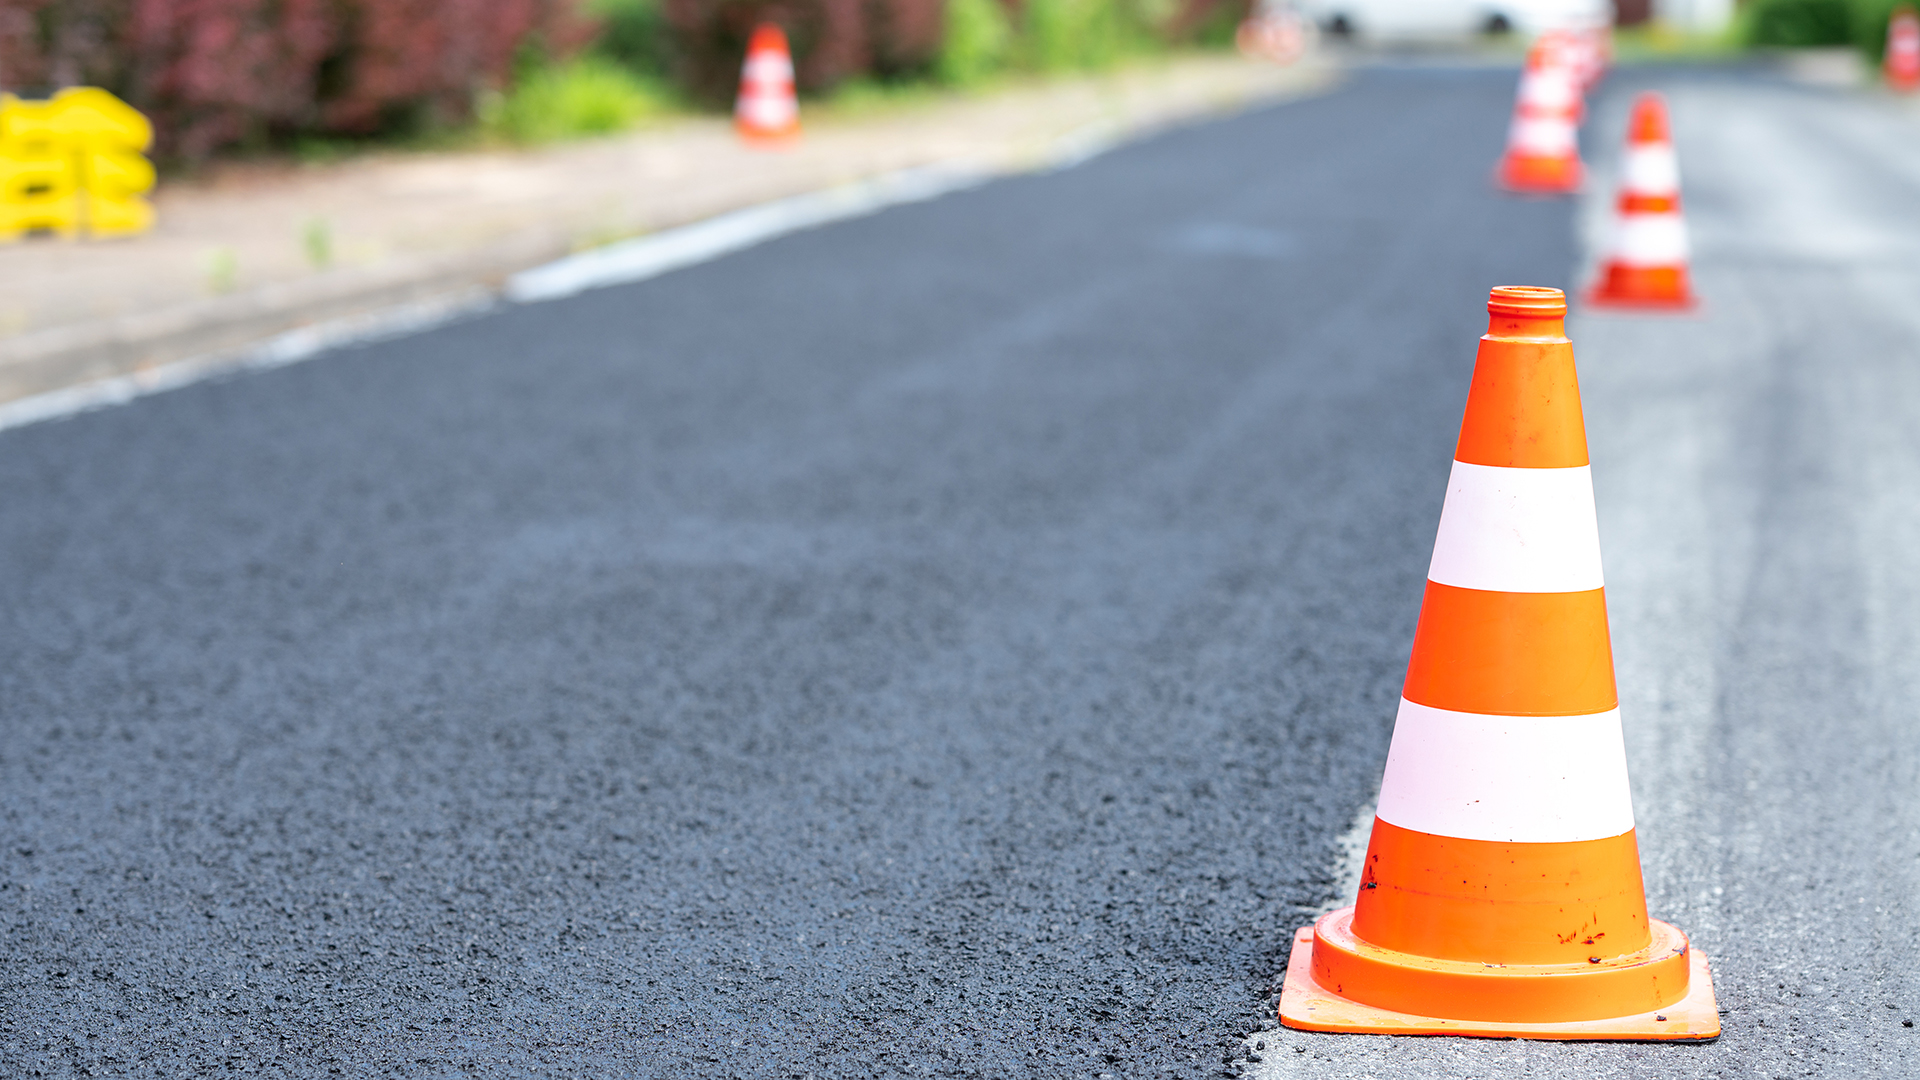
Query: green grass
x=1659, y=41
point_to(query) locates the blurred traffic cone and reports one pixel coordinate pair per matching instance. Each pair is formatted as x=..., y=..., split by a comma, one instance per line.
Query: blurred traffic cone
x=1646, y=263
x=766, y=112
x=1543, y=146
x=1596, y=46
x=1502, y=894
x=1273, y=32
x=1902, y=63
x=1578, y=50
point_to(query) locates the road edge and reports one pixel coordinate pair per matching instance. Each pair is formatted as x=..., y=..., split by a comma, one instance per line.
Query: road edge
x=110, y=375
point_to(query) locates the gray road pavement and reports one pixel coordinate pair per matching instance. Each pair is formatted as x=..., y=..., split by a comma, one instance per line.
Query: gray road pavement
x=955, y=642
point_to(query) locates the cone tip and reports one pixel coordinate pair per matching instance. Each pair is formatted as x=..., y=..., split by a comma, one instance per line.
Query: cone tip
x=1650, y=119
x=1527, y=301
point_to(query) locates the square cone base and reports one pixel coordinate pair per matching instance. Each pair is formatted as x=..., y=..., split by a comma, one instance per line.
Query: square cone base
x=1308, y=1006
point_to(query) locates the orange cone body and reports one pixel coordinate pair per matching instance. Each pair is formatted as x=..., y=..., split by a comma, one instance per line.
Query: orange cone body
x=1502, y=894
x=1543, y=142
x=1646, y=260
x=767, y=112
x=1903, y=51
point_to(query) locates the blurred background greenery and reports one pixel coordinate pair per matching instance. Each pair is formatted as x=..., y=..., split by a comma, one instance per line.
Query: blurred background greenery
x=649, y=59
x=1799, y=24
x=321, y=79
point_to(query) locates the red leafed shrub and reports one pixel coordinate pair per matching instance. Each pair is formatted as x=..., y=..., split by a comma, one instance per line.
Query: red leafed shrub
x=211, y=73
x=832, y=39
x=903, y=36
x=214, y=72
x=436, y=53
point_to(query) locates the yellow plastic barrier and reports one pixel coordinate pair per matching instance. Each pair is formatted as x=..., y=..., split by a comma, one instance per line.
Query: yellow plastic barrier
x=74, y=163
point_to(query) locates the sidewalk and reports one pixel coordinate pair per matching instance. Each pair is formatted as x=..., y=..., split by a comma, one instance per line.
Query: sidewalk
x=232, y=260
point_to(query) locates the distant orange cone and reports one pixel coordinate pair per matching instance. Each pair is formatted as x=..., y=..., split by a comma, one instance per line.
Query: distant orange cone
x=1543, y=142
x=1596, y=55
x=1646, y=260
x=1273, y=32
x=1902, y=64
x=1582, y=51
x=1502, y=893
x=766, y=113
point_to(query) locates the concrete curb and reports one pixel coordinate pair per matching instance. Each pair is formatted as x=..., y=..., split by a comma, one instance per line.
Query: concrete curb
x=649, y=256
x=289, y=347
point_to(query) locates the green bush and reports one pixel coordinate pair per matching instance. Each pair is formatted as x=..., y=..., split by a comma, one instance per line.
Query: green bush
x=1215, y=25
x=1805, y=23
x=588, y=96
x=977, y=41
x=1064, y=35
x=1797, y=24
x=1870, y=25
x=635, y=34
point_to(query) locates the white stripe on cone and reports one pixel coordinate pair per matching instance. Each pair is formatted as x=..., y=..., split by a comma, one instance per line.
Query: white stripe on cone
x=767, y=67
x=1518, y=530
x=1549, y=89
x=1538, y=136
x=1650, y=240
x=1507, y=779
x=767, y=110
x=1651, y=169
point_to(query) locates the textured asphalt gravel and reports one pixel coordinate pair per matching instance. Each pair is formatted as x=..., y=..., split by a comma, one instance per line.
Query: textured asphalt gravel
x=947, y=643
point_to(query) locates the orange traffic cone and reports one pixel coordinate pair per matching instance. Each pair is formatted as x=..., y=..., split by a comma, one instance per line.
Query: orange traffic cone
x=1543, y=144
x=1902, y=64
x=1582, y=51
x=1596, y=55
x=766, y=112
x=1646, y=263
x=1274, y=33
x=1502, y=892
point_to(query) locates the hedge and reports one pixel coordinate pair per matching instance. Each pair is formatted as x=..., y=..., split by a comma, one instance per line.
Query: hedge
x=1810, y=23
x=214, y=73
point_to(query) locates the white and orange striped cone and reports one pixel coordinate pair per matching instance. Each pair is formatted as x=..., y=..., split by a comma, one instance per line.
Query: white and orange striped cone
x=1594, y=56
x=1901, y=65
x=1646, y=260
x=1502, y=894
x=1543, y=142
x=1275, y=34
x=766, y=112
x=1578, y=50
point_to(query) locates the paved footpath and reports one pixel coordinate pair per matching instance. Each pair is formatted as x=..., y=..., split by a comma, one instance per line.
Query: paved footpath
x=955, y=642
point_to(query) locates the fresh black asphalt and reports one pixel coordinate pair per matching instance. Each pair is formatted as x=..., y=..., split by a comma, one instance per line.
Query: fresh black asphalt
x=947, y=643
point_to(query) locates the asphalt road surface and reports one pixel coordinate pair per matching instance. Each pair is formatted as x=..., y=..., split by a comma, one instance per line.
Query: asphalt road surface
x=959, y=642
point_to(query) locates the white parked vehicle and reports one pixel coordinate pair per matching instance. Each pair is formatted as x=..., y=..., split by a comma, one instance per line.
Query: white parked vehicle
x=1382, y=20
